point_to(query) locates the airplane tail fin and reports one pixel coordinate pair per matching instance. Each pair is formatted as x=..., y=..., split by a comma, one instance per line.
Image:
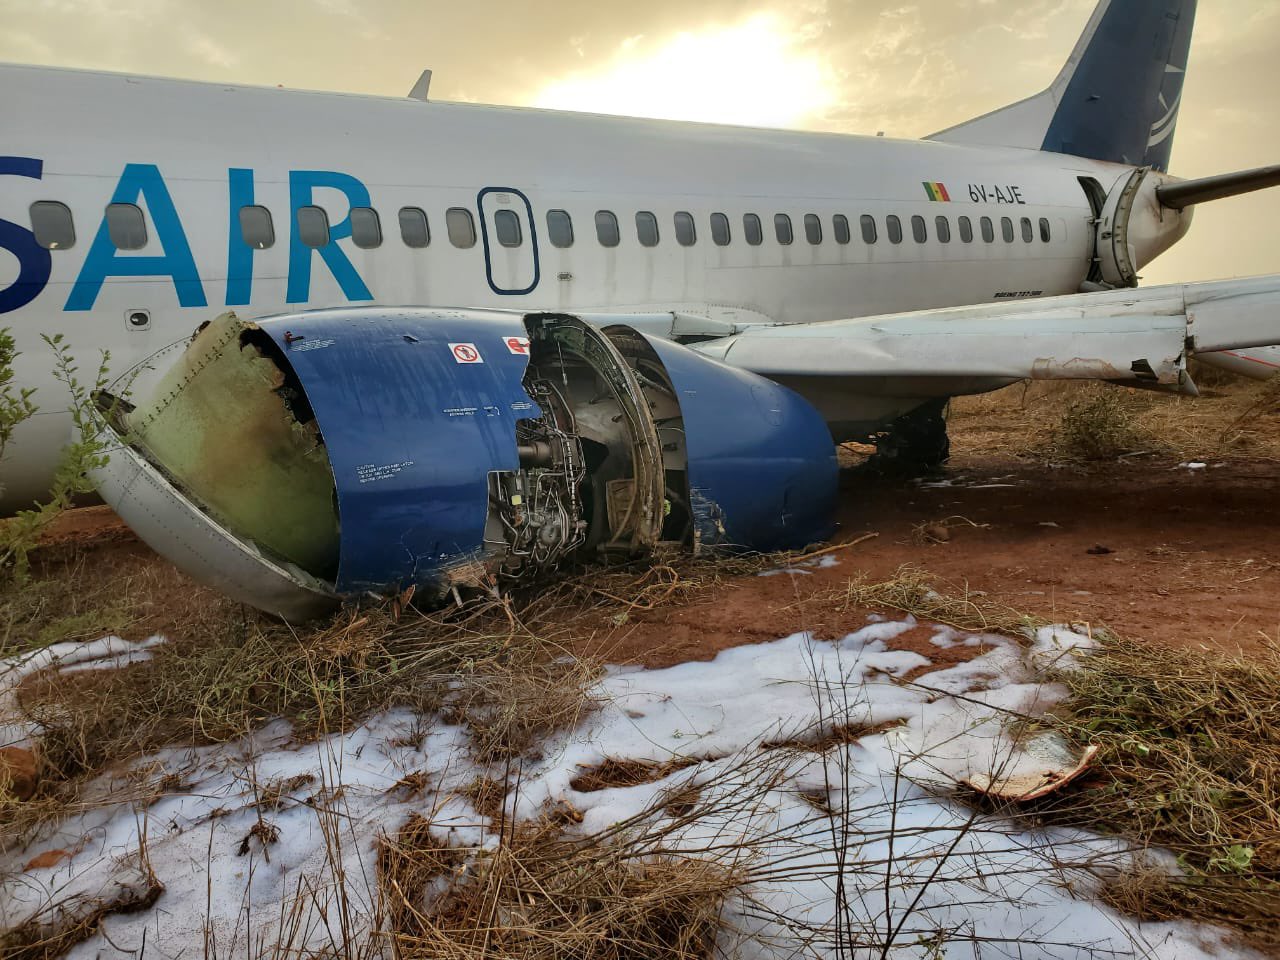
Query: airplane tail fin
x=1117, y=97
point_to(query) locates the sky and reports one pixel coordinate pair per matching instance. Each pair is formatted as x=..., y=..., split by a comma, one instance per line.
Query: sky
x=850, y=66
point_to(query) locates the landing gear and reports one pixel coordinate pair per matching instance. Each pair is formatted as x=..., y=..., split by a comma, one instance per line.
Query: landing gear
x=916, y=444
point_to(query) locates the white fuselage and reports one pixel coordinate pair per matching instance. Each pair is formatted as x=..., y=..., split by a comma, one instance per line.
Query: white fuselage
x=191, y=155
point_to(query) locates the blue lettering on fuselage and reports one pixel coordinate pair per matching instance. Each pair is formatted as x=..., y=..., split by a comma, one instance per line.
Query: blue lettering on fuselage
x=239, y=253
x=34, y=262
x=302, y=183
x=142, y=184
x=141, y=181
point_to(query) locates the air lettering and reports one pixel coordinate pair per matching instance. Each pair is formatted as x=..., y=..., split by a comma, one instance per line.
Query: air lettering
x=34, y=262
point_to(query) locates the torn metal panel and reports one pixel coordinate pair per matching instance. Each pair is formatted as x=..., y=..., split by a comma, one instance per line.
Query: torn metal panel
x=184, y=533
x=1045, y=763
x=238, y=440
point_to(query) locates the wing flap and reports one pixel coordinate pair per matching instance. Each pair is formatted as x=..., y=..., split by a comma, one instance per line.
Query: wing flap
x=1141, y=335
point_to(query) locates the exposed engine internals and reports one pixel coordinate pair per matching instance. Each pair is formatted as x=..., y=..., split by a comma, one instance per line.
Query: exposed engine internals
x=602, y=467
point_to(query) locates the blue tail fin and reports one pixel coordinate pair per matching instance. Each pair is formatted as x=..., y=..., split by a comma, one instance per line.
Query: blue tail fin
x=1117, y=97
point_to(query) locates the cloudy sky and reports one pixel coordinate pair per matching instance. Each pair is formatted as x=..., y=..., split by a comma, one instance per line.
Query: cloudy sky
x=856, y=66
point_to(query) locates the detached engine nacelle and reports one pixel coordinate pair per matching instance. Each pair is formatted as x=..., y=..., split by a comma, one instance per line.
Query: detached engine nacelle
x=311, y=457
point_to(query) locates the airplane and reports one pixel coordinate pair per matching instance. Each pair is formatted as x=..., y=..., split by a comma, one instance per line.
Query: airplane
x=866, y=279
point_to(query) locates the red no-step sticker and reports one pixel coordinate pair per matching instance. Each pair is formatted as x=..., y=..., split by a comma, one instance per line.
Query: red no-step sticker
x=466, y=353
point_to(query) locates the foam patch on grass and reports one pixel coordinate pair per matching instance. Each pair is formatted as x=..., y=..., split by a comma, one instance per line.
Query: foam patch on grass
x=817, y=761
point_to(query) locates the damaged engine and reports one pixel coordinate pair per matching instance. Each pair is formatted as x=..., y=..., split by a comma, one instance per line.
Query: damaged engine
x=307, y=458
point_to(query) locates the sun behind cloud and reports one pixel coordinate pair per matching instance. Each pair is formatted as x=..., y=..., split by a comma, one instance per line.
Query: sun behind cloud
x=756, y=72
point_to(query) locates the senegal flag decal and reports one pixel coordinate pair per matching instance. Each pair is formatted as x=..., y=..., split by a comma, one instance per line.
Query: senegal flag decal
x=937, y=191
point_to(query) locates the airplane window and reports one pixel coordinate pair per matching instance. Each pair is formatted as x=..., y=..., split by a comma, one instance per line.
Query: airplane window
x=607, y=229
x=313, y=226
x=52, y=224
x=895, y=228
x=720, y=229
x=918, y=230
x=1045, y=233
x=508, y=228
x=460, y=227
x=840, y=226
x=942, y=226
x=560, y=228
x=647, y=228
x=1028, y=232
x=751, y=227
x=966, y=230
x=256, y=228
x=812, y=228
x=782, y=228
x=366, y=228
x=988, y=231
x=414, y=230
x=686, y=236
x=126, y=226
x=1006, y=229
x=868, y=224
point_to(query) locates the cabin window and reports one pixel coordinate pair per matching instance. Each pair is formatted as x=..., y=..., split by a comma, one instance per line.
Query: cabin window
x=256, y=228
x=812, y=228
x=966, y=230
x=988, y=231
x=1006, y=229
x=560, y=228
x=840, y=227
x=607, y=229
x=366, y=228
x=646, y=229
x=414, y=229
x=126, y=226
x=313, y=226
x=942, y=227
x=686, y=236
x=918, y=230
x=894, y=226
x=720, y=229
x=752, y=229
x=52, y=225
x=1046, y=234
x=868, y=224
x=507, y=226
x=1028, y=232
x=460, y=226
x=782, y=228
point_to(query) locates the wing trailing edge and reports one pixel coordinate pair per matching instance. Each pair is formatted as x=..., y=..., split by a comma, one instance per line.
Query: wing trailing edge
x=1139, y=337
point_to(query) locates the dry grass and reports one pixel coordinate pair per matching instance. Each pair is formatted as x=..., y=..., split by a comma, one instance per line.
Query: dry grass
x=500, y=668
x=926, y=597
x=1190, y=762
x=1233, y=419
x=642, y=889
x=1101, y=424
x=542, y=894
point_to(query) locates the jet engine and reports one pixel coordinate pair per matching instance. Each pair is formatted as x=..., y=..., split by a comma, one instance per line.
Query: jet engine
x=307, y=458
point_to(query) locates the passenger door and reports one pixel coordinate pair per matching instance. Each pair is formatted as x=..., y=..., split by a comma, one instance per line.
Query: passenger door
x=510, y=241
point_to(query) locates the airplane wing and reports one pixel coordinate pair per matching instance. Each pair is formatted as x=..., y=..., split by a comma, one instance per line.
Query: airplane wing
x=1141, y=337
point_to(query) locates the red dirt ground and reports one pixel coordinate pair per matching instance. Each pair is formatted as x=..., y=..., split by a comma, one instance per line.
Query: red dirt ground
x=1194, y=558
x=1194, y=561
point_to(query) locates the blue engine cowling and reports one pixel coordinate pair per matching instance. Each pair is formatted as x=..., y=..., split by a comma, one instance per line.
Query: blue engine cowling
x=468, y=445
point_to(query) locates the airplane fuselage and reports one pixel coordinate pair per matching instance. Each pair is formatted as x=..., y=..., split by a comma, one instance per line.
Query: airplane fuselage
x=482, y=206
